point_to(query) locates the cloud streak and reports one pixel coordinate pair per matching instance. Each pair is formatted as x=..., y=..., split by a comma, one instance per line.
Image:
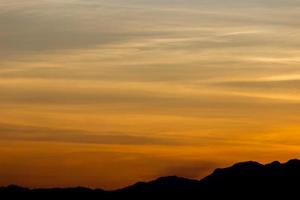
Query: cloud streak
x=131, y=90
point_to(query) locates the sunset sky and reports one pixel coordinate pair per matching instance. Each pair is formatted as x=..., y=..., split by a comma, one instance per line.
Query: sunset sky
x=104, y=93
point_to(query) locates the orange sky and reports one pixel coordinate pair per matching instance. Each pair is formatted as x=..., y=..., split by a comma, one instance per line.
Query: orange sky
x=104, y=94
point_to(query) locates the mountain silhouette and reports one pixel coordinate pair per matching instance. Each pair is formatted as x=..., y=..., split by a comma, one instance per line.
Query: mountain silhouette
x=246, y=180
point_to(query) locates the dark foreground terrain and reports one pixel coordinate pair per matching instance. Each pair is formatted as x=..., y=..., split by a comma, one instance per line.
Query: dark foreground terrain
x=248, y=180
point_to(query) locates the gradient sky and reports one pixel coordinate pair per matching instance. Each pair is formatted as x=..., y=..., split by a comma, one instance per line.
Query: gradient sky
x=104, y=93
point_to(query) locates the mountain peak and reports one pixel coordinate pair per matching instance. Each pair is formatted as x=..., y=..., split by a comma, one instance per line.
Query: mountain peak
x=293, y=162
x=246, y=165
x=275, y=164
x=239, y=169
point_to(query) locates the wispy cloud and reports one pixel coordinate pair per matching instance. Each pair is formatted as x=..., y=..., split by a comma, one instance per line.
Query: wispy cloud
x=141, y=88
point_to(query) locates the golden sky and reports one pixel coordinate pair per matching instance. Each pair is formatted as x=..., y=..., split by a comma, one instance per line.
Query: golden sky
x=104, y=93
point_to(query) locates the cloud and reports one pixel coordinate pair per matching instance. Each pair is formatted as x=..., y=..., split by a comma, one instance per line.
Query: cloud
x=32, y=133
x=29, y=27
x=115, y=82
x=280, y=85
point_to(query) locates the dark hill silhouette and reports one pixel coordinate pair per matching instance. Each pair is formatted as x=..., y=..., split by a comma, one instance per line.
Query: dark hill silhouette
x=247, y=180
x=161, y=186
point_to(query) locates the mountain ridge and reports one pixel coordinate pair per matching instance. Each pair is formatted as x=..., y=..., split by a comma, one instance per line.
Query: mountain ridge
x=251, y=178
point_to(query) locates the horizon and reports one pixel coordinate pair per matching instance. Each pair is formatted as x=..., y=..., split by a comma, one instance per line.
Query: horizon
x=158, y=178
x=103, y=94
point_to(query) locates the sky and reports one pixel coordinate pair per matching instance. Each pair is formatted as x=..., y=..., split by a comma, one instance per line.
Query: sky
x=103, y=94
